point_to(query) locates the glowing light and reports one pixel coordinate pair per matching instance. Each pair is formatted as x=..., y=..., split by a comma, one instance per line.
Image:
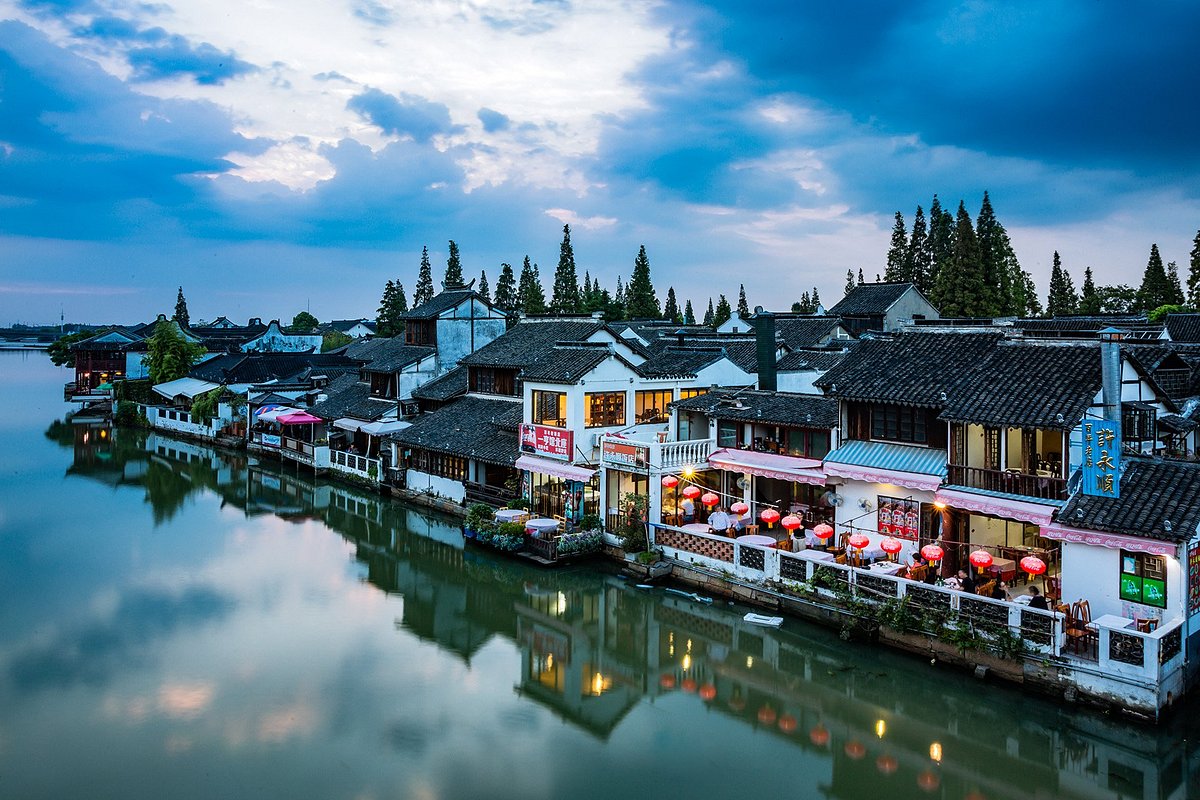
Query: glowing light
x=687, y=661
x=599, y=684
x=880, y=728
x=939, y=506
x=749, y=662
x=935, y=752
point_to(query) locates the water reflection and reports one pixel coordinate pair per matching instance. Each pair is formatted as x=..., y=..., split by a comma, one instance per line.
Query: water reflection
x=829, y=717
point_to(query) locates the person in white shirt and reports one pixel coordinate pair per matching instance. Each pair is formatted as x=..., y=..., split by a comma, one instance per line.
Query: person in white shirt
x=688, y=509
x=719, y=521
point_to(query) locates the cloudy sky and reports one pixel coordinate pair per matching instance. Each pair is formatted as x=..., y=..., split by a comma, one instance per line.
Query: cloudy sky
x=275, y=155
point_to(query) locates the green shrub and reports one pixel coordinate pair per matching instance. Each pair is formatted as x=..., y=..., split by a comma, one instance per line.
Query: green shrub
x=591, y=522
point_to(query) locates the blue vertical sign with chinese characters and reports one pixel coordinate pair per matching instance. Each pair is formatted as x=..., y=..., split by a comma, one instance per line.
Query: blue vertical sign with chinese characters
x=1101, y=458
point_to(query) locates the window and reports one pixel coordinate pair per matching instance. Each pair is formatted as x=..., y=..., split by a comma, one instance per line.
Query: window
x=809, y=443
x=684, y=394
x=652, y=406
x=898, y=424
x=1138, y=422
x=603, y=409
x=487, y=380
x=440, y=464
x=1144, y=579
x=728, y=433
x=550, y=408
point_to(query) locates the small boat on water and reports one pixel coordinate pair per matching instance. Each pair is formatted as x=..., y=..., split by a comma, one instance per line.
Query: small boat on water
x=690, y=595
x=759, y=619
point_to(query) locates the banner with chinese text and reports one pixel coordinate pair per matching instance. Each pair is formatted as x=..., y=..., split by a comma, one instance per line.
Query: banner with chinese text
x=1101, y=458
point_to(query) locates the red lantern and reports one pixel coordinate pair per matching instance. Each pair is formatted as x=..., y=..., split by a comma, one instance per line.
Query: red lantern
x=791, y=522
x=739, y=508
x=670, y=481
x=891, y=546
x=1033, y=565
x=787, y=723
x=691, y=492
x=855, y=749
x=708, y=692
x=710, y=499
x=887, y=764
x=766, y=715
x=688, y=685
x=931, y=552
x=667, y=681
x=975, y=796
x=981, y=559
x=769, y=516
x=819, y=736
x=928, y=781
x=823, y=531
x=858, y=541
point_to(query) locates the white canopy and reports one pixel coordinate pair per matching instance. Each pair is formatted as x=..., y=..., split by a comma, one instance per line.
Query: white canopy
x=348, y=423
x=384, y=426
x=274, y=414
x=188, y=387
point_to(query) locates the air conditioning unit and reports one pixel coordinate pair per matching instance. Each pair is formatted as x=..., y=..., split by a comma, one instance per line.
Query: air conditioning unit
x=597, y=439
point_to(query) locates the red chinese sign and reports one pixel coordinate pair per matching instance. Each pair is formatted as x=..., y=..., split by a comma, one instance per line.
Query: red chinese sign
x=1194, y=579
x=899, y=518
x=626, y=454
x=543, y=440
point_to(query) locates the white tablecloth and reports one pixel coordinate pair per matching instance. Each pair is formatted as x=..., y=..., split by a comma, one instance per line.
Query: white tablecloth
x=510, y=514
x=697, y=527
x=887, y=567
x=816, y=555
x=539, y=526
x=756, y=538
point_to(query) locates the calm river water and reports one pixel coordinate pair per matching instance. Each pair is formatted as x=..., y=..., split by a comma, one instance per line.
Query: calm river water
x=181, y=623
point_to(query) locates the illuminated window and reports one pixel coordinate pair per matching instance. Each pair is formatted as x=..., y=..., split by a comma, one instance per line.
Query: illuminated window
x=603, y=409
x=1144, y=579
x=652, y=405
x=684, y=394
x=550, y=408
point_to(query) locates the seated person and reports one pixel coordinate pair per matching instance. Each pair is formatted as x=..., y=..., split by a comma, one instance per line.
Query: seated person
x=966, y=582
x=719, y=521
x=1036, y=600
x=1000, y=591
x=740, y=521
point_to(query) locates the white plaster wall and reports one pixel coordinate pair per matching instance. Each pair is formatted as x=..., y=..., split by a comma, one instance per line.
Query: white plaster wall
x=415, y=376
x=445, y=487
x=798, y=381
x=852, y=492
x=458, y=334
x=908, y=306
x=724, y=373
x=1091, y=573
x=274, y=340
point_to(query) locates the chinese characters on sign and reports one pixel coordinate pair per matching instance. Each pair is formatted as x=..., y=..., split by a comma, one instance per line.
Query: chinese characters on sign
x=1101, y=458
x=1193, y=579
x=626, y=454
x=543, y=440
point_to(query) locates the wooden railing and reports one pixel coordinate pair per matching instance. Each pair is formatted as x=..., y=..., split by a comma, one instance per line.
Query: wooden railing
x=994, y=480
x=546, y=548
x=492, y=495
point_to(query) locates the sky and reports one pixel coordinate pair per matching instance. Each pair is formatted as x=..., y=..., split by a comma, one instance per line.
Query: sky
x=271, y=157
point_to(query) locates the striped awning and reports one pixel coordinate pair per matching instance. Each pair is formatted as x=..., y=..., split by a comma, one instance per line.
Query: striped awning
x=922, y=468
x=559, y=469
x=769, y=465
x=997, y=505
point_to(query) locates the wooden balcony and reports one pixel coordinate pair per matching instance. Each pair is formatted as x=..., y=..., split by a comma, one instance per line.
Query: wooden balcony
x=492, y=495
x=1043, y=487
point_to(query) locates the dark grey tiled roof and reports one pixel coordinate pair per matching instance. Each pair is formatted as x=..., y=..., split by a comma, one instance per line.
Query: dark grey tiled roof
x=779, y=408
x=870, y=298
x=1173, y=366
x=350, y=398
x=474, y=427
x=915, y=368
x=804, y=331
x=1175, y=423
x=680, y=362
x=1183, y=327
x=527, y=341
x=1152, y=492
x=451, y=384
x=567, y=362
x=1086, y=327
x=262, y=367
x=443, y=301
x=397, y=358
x=807, y=360
x=343, y=325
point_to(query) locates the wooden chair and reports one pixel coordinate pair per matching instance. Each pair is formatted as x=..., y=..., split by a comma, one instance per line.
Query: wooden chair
x=840, y=559
x=1054, y=588
x=918, y=573
x=1079, y=635
x=985, y=589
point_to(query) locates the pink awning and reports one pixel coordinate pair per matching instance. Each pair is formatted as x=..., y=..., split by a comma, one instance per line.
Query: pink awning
x=559, y=469
x=995, y=506
x=1113, y=541
x=299, y=418
x=769, y=465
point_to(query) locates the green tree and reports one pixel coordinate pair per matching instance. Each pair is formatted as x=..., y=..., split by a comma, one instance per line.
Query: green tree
x=1089, y=300
x=993, y=243
x=484, y=289
x=1119, y=299
x=897, y=253
x=1029, y=303
x=506, y=288
x=1193, y=280
x=916, y=256
x=723, y=313
x=401, y=301
x=941, y=243
x=815, y=300
x=565, y=297
x=689, y=316
x=334, y=339
x=304, y=322
x=959, y=290
x=424, y=291
x=1159, y=314
x=743, y=308
x=1176, y=297
x=181, y=310
x=1062, y=298
x=60, y=352
x=1156, y=289
x=619, y=293
x=170, y=355
x=710, y=315
x=641, y=301
x=861, y=280
x=850, y=284
x=387, y=317
x=803, y=305
x=671, y=307
x=531, y=298
x=454, y=273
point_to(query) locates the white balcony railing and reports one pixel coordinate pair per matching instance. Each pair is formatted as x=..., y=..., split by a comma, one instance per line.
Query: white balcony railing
x=354, y=464
x=658, y=456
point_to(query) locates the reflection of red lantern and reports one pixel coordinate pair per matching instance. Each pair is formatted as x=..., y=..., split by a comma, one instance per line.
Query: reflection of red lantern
x=670, y=481
x=739, y=508
x=819, y=736
x=858, y=541
x=887, y=764
x=891, y=546
x=931, y=552
x=855, y=749
x=791, y=522
x=982, y=559
x=766, y=715
x=823, y=531
x=1033, y=565
x=975, y=796
x=708, y=692
x=688, y=685
x=928, y=781
x=787, y=723
x=691, y=492
x=709, y=499
x=667, y=681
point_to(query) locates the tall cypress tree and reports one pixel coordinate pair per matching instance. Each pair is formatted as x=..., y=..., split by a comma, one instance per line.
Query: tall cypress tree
x=1193, y=280
x=1089, y=300
x=181, y=310
x=897, y=253
x=671, y=307
x=689, y=316
x=815, y=299
x=531, y=298
x=916, y=254
x=743, y=308
x=1156, y=289
x=484, y=289
x=723, y=313
x=991, y=237
x=385, y=315
x=1176, y=298
x=619, y=294
x=709, y=315
x=506, y=289
x=941, y=242
x=641, y=302
x=424, y=291
x=1062, y=298
x=454, y=273
x=959, y=289
x=565, y=297
x=401, y=300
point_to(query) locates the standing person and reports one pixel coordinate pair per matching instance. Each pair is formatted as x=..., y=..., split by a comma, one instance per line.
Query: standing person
x=1036, y=600
x=688, y=509
x=719, y=521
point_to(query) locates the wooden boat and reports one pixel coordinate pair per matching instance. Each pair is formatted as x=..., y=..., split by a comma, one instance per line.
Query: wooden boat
x=759, y=619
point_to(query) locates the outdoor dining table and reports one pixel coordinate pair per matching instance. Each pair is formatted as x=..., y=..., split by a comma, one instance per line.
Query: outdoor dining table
x=539, y=526
x=887, y=567
x=511, y=514
x=697, y=527
x=758, y=539
x=1111, y=621
x=1003, y=568
x=816, y=555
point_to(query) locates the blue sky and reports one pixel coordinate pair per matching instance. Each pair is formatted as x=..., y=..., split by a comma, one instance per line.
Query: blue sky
x=271, y=157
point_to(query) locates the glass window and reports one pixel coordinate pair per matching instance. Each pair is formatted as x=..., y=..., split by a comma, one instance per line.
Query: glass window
x=1144, y=579
x=807, y=443
x=684, y=394
x=898, y=423
x=652, y=405
x=727, y=433
x=603, y=409
x=550, y=408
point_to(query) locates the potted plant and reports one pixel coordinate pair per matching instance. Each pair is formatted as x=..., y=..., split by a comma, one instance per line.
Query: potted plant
x=479, y=517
